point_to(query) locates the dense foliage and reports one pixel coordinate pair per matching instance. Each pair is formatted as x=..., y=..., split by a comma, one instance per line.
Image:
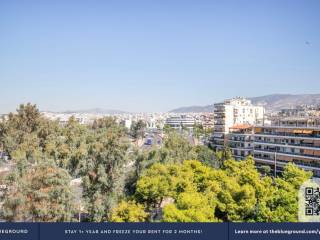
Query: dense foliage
x=129, y=212
x=42, y=194
x=237, y=192
x=95, y=153
x=174, y=182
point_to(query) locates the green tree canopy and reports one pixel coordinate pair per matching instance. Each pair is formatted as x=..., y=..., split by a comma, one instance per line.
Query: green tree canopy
x=129, y=212
x=137, y=129
x=176, y=148
x=237, y=192
x=43, y=194
x=103, y=170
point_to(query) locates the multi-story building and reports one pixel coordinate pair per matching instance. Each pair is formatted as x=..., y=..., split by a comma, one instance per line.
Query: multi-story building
x=206, y=120
x=240, y=141
x=302, y=111
x=181, y=121
x=231, y=112
x=294, y=140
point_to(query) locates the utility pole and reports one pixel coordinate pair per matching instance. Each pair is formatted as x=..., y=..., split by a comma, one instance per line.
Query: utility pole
x=275, y=164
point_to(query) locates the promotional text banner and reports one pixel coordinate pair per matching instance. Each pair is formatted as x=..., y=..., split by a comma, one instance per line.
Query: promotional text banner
x=161, y=231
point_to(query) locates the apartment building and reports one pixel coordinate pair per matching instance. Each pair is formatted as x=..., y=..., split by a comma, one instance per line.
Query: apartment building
x=286, y=140
x=294, y=140
x=232, y=112
x=181, y=121
x=206, y=120
x=240, y=141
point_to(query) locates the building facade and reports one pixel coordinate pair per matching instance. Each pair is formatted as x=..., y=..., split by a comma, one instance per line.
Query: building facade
x=289, y=140
x=295, y=140
x=230, y=113
x=240, y=141
x=181, y=121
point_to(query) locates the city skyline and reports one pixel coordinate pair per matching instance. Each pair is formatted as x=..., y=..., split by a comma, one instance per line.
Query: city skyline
x=155, y=57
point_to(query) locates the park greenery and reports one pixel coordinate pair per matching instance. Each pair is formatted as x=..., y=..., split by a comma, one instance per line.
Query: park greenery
x=177, y=182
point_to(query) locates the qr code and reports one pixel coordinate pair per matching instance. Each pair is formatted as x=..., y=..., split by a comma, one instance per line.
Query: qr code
x=312, y=201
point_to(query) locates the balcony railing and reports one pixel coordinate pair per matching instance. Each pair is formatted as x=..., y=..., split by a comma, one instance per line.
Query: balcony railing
x=315, y=166
x=288, y=144
x=279, y=161
x=289, y=135
x=287, y=153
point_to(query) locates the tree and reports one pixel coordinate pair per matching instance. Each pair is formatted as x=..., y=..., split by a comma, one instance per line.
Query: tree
x=105, y=123
x=236, y=192
x=43, y=194
x=198, y=130
x=137, y=129
x=167, y=129
x=281, y=202
x=190, y=207
x=103, y=171
x=204, y=155
x=129, y=212
x=221, y=156
x=97, y=153
x=18, y=133
x=295, y=176
x=265, y=170
x=176, y=148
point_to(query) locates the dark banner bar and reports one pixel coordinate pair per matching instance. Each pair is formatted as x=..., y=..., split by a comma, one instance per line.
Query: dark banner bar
x=128, y=231
x=161, y=231
x=20, y=231
x=270, y=231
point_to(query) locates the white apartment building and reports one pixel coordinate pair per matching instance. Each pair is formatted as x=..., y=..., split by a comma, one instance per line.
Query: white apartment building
x=177, y=122
x=236, y=111
x=232, y=112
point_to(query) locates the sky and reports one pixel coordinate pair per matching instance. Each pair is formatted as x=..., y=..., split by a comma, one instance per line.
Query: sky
x=154, y=56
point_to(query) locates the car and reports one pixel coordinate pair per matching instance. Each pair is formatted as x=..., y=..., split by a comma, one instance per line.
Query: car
x=148, y=142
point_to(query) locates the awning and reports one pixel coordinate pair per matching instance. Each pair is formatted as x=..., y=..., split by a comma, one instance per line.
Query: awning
x=297, y=131
x=258, y=129
x=307, y=131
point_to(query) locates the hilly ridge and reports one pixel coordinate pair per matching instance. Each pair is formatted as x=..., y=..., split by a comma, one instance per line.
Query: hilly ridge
x=272, y=102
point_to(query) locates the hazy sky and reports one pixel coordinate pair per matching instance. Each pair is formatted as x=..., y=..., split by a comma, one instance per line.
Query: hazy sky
x=155, y=55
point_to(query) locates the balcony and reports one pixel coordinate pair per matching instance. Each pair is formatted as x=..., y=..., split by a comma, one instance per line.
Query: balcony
x=309, y=156
x=315, y=166
x=219, y=115
x=301, y=145
x=219, y=123
x=300, y=136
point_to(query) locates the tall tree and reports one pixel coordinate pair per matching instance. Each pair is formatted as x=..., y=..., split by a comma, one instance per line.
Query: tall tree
x=137, y=129
x=205, y=155
x=103, y=171
x=18, y=132
x=176, y=149
x=43, y=194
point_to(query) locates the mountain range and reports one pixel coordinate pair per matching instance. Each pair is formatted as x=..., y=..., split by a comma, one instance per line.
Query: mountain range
x=273, y=102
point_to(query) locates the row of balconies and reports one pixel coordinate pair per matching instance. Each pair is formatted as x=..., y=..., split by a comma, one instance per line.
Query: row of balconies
x=288, y=151
x=286, y=143
x=312, y=162
x=286, y=134
x=271, y=160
